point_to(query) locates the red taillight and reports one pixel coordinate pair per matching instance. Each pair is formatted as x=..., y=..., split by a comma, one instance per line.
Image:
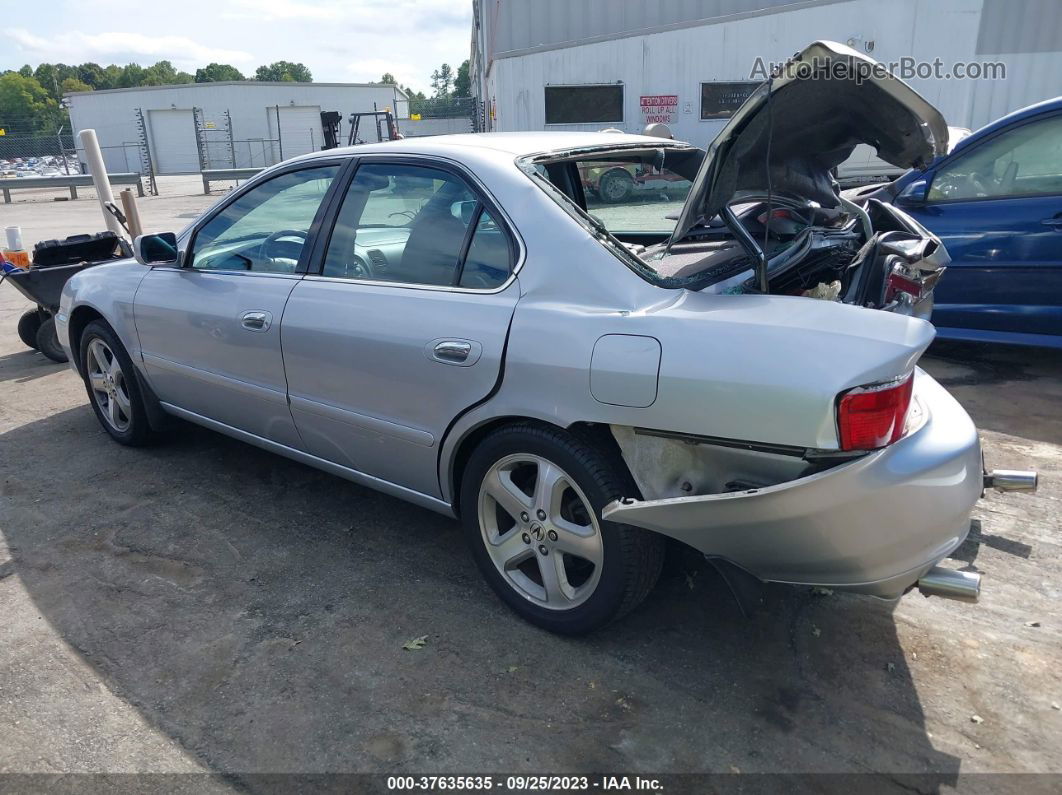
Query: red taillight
x=873, y=416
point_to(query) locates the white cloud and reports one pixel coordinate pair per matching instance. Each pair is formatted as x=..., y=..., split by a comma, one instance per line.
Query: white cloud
x=369, y=70
x=77, y=47
x=269, y=10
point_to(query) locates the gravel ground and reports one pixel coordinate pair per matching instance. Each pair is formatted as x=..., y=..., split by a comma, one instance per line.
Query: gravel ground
x=205, y=606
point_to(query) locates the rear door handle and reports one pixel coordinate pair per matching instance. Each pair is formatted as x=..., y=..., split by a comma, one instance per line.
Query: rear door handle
x=1055, y=222
x=452, y=351
x=459, y=352
x=256, y=320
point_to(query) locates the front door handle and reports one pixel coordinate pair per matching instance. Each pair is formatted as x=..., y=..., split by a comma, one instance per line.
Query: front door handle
x=452, y=351
x=256, y=320
x=1055, y=222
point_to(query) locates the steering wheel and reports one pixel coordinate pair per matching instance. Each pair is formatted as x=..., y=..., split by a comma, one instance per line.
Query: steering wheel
x=265, y=253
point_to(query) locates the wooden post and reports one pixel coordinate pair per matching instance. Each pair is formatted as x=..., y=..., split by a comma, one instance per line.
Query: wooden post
x=132, y=214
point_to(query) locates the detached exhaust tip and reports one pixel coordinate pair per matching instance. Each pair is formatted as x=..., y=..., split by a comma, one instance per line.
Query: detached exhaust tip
x=964, y=586
x=1012, y=480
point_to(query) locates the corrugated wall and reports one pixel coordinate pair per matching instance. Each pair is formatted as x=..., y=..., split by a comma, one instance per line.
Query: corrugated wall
x=112, y=114
x=523, y=24
x=678, y=61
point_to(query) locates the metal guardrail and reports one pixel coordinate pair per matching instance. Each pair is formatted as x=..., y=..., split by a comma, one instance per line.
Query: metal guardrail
x=73, y=181
x=220, y=174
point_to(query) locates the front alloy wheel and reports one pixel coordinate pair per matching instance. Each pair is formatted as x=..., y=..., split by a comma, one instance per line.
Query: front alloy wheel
x=540, y=531
x=112, y=385
x=108, y=384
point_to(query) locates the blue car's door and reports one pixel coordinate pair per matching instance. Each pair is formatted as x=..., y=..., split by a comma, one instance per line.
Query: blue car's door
x=998, y=208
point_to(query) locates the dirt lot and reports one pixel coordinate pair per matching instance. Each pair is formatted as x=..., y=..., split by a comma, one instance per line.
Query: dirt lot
x=204, y=606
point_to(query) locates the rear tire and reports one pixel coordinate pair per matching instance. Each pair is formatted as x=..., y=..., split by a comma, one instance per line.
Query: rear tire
x=112, y=386
x=48, y=342
x=28, y=324
x=564, y=569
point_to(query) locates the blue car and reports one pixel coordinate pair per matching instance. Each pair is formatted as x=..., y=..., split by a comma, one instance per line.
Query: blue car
x=996, y=202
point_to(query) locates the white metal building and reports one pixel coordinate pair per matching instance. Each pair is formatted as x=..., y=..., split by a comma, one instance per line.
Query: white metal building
x=269, y=122
x=590, y=64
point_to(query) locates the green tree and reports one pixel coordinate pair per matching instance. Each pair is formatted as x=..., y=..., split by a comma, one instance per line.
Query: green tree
x=462, y=83
x=132, y=75
x=72, y=85
x=442, y=79
x=163, y=74
x=284, y=71
x=217, y=72
x=26, y=107
x=48, y=76
x=91, y=73
x=26, y=71
x=388, y=78
x=112, y=77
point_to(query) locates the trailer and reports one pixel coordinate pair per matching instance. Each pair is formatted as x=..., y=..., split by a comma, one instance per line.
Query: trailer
x=54, y=262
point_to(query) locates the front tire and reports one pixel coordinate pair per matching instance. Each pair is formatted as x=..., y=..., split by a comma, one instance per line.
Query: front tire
x=531, y=502
x=112, y=386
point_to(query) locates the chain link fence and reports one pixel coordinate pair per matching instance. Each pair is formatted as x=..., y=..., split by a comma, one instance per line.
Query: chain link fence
x=37, y=155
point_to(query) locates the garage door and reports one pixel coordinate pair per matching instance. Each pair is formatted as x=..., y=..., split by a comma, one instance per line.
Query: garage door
x=300, y=129
x=173, y=141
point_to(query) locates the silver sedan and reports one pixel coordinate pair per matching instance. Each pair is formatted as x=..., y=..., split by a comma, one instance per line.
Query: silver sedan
x=724, y=355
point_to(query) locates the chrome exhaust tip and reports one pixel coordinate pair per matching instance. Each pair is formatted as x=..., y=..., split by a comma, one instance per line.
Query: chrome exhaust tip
x=965, y=586
x=1011, y=480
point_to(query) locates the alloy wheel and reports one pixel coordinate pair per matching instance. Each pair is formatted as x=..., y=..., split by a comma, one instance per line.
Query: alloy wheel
x=540, y=531
x=109, y=386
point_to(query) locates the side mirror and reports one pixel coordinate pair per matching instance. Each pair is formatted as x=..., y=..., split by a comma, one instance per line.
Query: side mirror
x=160, y=249
x=914, y=193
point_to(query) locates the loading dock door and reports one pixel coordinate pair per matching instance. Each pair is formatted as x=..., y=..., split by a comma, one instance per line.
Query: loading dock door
x=173, y=141
x=300, y=129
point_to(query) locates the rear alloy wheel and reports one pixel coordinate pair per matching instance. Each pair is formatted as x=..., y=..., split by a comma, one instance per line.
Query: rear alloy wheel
x=615, y=186
x=540, y=531
x=531, y=502
x=112, y=386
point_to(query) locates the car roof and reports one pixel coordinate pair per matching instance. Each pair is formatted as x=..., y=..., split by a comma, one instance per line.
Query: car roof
x=514, y=143
x=1047, y=106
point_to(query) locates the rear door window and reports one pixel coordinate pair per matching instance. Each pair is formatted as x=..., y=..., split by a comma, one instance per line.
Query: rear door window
x=412, y=224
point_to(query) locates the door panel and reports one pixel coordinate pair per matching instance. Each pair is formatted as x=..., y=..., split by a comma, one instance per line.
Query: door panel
x=210, y=331
x=199, y=354
x=998, y=208
x=1006, y=264
x=367, y=388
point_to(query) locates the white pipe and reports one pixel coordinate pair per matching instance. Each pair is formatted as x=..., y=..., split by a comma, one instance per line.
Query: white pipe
x=99, y=178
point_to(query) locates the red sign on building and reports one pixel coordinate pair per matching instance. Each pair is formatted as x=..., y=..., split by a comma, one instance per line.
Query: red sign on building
x=659, y=108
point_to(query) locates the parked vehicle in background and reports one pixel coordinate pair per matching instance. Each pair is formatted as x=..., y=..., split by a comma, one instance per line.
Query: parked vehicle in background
x=445, y=320
x=864, y=167
x=996, y=203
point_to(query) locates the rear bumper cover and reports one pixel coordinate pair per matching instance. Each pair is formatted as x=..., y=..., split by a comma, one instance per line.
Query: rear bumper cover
x=873, y=525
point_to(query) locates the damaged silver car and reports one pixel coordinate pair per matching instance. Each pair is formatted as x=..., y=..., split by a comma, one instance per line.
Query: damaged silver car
x=499, y=327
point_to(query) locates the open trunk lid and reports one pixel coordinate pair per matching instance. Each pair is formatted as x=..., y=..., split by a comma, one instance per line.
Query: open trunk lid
x=809, y=118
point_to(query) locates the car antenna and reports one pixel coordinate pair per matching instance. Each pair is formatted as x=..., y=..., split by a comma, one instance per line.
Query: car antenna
x=764, y=286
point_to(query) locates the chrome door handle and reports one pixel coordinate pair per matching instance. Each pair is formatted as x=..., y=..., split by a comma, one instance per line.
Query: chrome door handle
x=1056, y=222
x=452, y=351
x=255, y=321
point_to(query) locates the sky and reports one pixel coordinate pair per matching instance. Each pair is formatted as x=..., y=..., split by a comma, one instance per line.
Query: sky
x=341, y=41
